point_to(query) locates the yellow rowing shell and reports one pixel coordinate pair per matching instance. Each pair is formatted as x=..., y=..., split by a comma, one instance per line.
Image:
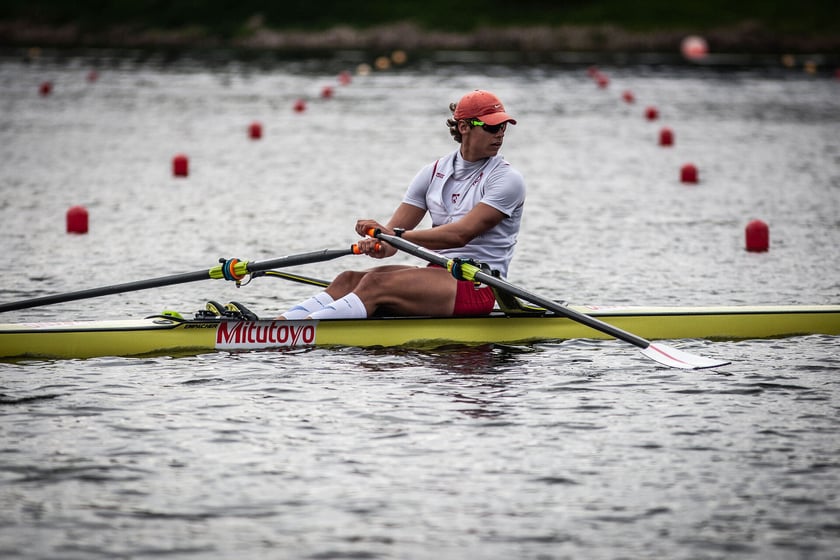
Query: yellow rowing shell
x=161, y=335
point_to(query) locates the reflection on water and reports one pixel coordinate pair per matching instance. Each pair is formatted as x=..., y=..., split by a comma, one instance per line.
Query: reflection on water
x=488, y=371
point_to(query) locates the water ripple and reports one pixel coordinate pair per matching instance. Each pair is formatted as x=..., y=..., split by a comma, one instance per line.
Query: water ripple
x=558, y=449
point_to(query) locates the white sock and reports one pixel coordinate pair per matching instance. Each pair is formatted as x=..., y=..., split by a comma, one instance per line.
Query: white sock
x=348, y=307
x=306, y=308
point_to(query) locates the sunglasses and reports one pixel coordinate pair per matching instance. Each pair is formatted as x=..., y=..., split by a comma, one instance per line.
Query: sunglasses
x=491, y=128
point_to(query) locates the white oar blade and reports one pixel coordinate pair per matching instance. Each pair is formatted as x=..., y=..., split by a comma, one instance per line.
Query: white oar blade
x=672, y=357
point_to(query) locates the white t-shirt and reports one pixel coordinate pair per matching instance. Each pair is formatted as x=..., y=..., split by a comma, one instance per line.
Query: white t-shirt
x=451, y=187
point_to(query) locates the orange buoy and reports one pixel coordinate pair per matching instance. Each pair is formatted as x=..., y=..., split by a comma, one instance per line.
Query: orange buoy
x=255, y=131
x=77, y=220
x=399, y=56
x=651, y=113
x=757, y=236
x=45, y=88
x=299, y=106
x=666, y=137
x=688, y=173
x=180, y=166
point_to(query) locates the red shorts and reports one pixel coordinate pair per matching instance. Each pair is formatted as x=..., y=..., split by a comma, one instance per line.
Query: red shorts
x=472, y=300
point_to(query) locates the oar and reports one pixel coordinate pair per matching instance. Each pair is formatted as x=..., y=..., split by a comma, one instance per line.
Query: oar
x=229, y=269
x=661, y=353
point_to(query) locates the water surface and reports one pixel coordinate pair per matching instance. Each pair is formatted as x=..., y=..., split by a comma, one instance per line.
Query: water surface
x=563, y=449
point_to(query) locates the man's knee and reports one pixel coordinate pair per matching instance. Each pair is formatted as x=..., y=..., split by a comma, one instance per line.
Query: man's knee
x=372, y=281
x=346, y=281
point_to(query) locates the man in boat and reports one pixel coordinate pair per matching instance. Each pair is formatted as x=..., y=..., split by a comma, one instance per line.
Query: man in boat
x=475, y=199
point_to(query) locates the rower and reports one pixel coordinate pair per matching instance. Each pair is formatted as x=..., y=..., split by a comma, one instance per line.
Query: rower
x=475, y=199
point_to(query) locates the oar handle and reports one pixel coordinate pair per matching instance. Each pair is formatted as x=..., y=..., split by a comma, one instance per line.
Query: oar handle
x=357, y=251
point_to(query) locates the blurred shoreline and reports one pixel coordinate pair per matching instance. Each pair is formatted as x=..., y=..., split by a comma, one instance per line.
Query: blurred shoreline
x=748, y=37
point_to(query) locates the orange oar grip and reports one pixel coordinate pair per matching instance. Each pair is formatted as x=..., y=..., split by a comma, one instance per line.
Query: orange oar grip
x=356, y=251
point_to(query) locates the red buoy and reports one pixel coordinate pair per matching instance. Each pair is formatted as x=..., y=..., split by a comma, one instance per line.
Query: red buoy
x=651, y=113
x=602, y=80
x=688, y=173
x=345, y=78
x=255, y=131
x=666, y=137
x=45, y=88
x=180, y=166
x=758, y=236
x=327, y=92
x=92, y=76
x=628, y=96
x=77, y=220
x=299, y=106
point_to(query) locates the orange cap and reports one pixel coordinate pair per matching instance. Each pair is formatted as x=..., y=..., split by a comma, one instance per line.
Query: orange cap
x=483, y=105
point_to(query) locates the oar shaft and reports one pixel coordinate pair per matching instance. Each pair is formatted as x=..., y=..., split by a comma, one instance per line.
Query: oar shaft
x=106, y=290
x=289, y=260
x=304, y=258
x=562, y=309
x=491, y=280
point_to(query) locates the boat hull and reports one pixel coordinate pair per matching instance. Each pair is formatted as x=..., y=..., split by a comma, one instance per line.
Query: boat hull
x=161, y=335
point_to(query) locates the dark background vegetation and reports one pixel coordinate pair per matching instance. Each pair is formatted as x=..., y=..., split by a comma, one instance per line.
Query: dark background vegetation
x=229, y=19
